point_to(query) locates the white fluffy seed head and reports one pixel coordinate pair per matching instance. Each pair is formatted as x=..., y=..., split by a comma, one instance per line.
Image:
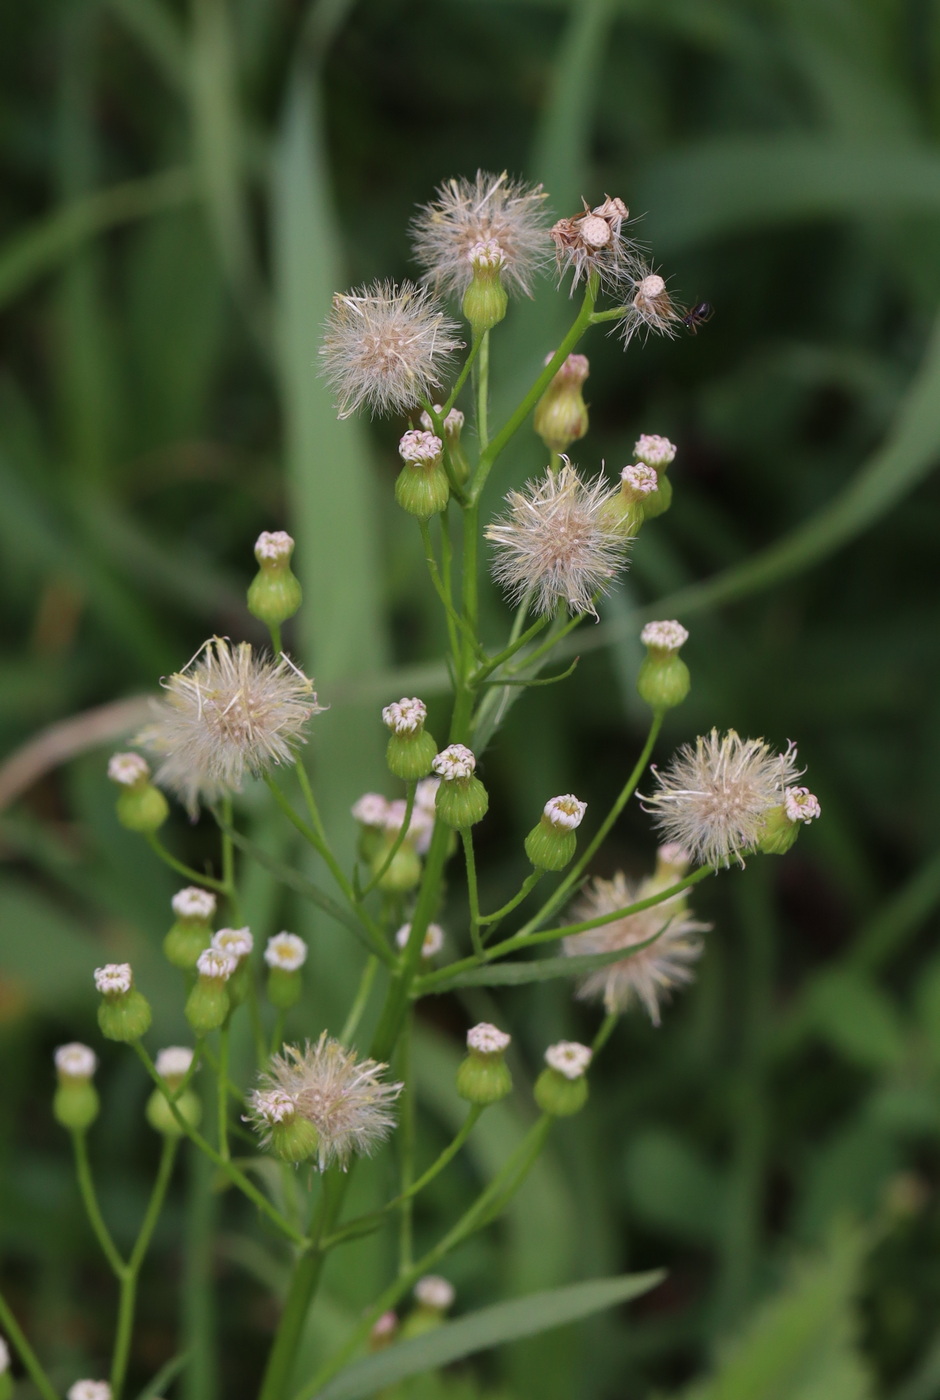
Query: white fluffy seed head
x=371, y=809
x=419, y=448
x=435, y=1292
x=488, y=209
x=174, y=1061
x=405, y=716
x=664, y=636
x=215, y=964
x=639, y=479
x=569, y=1058
x=456, y=761
x=273, y=545
x=654, y=451
x=801, y=805
x=76, y=1061
x=287, y=951
x=127, y=768
x=565, y=813
x=592, y=243
x=432, y=943
x=236, y=942
x=556, y=542
x=229, y=713
x=194, y=903
x=386, y=347
x=487, y=1039
x=650, y=309
x=114, y=979
x=89, y=1390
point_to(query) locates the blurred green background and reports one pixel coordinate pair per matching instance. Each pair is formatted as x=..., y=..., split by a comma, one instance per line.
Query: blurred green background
x=185, y=185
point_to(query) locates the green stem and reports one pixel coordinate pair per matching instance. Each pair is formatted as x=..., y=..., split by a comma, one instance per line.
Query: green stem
x=222, y=1095
x=228, y=863
x=125, y=1321
x=406, y=1138
x=194, y=877
x=87, y=1188
x=362, y=997
x=461, y=380
x=397, y=843
x=605, y=1031
x=481, y=375
x=467, y=837
x=26, y=1354
x=510, y=651
x=454, y=621
x=197, y=1297
x=276, y=646
x=528, y=885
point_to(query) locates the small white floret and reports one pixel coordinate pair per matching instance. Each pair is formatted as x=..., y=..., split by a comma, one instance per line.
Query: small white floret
x=236, y=942
x=273, y=544
x=433, y=939
x=89, y=1390
x=569, y=1058
x=76, y=1061
x=174, y=1061
x=456, y=761
x=432, y=1291
x=194, y=903
x=127, y=768
x=487, y=1039
x=664, y=636
x=405, y=716
x=654, y=450
x=801, y=805
x=286, y=951
x=212, y=962
x=114, y=979
x=565, y=813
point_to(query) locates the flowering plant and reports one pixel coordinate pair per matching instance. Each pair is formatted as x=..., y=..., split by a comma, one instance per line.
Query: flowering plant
x=317, y=1104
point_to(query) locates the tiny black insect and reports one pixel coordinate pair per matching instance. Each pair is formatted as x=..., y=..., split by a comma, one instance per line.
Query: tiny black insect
x=697, y=316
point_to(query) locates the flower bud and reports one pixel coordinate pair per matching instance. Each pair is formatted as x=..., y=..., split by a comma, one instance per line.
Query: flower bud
x=453, y=427
x=663, y=680
x=483, y=1076
x=140, y=806
x=656, y=452
x=782, y=824
x=431, y=944
x=383, y=1331
x=551, y=844
x=76, y=1103
x=173, y=1064
x=422, y=488
x=208, y=1004
x=485, y=300
x=411, y=749
x=285, y=955
x=274, y=594
x=561, y=1089
x=124, y=1013
x=434, y=1295
x=370, y=811
x=286, y=1133
x=192, y=931
x=461, y=799
x=404, y=870
x=625, y=512
x=561, y=415
x=237, y=943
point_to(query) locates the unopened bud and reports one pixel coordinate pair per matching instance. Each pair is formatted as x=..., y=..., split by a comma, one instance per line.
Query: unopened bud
x=286, y=1133
x=422, y=488
x=140, y=806
x=656, y=452
x=782, y=824
x=551, y=844
x=663, y=680
x=562, y=1089
x=452, y=429
x=208, y=1003
x=76, y=1103
x=483, y=1076
x=411, y=748
x=274, y=594
x=485, y=300
x=625, y=512
x=191, y=931
x=124, y=1013
x=561, y=415
x=462, y=799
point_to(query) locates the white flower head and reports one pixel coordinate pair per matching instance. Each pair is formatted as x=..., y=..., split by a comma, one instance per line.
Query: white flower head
x=639, y=479
x=716, y=794
x=273, y=545
x=114, y=979
x=467, y=213
x=236, y=942
x=664, y=636
x=76, y=1061
x=89, y=1390
x=432, y=943
x=217, y=965
x=127, y=768
x=565, y=813
x=487, y=1039
x=405, y=716
x=194, y=903
x=287, y=951
x=592, y=242
x=174, y=1061
x=456, y=761
x=556, y=542
x=229, y=713
x=487, y=256
x=453, y=422
x=371, y=809
x=646, y=974
x=569, y=1058
x=386, y=346
x=801, y=805
x=655, y=451
x=435, y=1292
x=419, y=448
x=344, y=1098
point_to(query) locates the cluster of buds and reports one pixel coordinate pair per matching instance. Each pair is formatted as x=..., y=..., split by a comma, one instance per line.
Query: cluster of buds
x=141, y=807
x=451, y=427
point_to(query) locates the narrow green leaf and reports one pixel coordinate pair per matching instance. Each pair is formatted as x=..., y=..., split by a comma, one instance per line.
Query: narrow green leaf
x=489, y=1327
x=515, y=974
x=166, y=1374
x=857, y=1018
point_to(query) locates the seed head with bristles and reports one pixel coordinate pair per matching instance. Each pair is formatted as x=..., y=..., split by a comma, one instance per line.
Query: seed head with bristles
x=592, y=243
x=650, y=308
x=555, y=542
x=490, y=209
x=715, y=796
x=230, y=712
x=386, y=346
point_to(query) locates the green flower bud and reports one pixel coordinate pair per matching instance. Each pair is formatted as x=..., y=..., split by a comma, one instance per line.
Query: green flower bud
x=663, y=679
x=285, y=955
x=160, y=1114
x=561, y=1089
x=124, y=1013
x=191, y=932
x=485, y=300
x=208, y=1004
x=434, y=1295
x=625, y=512
x=452, y=428
x=285, y=1132
x=660, y=501
x=237, y=943
x=461, y=799
x=561, y=415
x=76, y=1104
x=422, y=488
x=140, y=806
x=551, y=844
x=404, y=871
x=782, y=824
x=483, y=1076
x=274, y=594
x=411, y=749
